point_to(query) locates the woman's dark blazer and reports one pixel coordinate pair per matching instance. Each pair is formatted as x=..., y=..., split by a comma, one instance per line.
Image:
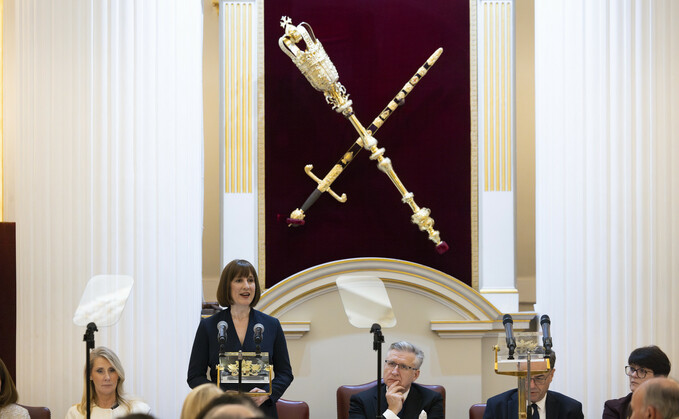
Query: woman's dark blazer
x=205, y=352
x=617, y=408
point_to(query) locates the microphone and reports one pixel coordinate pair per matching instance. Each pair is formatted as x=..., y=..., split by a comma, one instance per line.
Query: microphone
x=221, y=328
x=259, y=333
x=546, y=335
x=509, y=332
x=378, y=338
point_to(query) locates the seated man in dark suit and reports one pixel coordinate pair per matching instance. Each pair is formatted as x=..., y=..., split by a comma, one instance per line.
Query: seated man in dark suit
x=401, y=398
x=549, y=404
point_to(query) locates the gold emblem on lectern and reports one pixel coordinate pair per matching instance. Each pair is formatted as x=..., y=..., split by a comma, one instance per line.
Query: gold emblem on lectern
x=249, y=369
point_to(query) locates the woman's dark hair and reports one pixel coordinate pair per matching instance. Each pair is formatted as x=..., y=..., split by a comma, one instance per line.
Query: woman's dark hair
x=651, y=357
x=235, y=269
x=8, y=392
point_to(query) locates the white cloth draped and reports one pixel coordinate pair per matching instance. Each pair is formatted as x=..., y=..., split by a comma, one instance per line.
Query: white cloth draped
x=106, y=105
x=607, y=187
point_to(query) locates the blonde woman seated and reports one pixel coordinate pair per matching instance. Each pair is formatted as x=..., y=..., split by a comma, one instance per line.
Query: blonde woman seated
x=107, y=398
x=198, y=398
x=9, y=409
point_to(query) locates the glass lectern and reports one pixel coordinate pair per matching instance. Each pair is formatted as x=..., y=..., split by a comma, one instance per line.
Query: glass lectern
x=528, y=359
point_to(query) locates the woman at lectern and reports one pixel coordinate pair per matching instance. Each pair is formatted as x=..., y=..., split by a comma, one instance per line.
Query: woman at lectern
x=644, y=363
x=107, y=398
x=238, y=327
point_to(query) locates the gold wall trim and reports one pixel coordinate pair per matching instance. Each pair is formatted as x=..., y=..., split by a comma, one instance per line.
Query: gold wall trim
x=474, y=149
x=499, y=291
x=498, y=94
x=238, y=135
x=261, y=196
x=243, y=135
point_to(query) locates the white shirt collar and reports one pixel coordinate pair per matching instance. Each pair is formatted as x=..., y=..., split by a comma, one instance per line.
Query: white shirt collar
x=542, y=407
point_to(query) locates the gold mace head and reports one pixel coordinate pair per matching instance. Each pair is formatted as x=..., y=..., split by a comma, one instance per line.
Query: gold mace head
x=311, y=58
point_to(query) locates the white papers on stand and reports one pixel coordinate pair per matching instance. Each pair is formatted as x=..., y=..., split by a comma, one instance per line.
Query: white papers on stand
x=365, y=301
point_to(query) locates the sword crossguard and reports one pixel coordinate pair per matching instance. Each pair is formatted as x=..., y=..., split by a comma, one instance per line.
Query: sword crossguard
x=324, y=184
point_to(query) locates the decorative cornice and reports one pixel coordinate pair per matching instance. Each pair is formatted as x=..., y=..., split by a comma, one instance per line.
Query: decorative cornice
x=295, y=330
x=523, y=322
x=479, y=317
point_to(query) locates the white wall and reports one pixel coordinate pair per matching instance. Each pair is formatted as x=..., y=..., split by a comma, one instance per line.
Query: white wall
x=333, y=353
x=106, y=139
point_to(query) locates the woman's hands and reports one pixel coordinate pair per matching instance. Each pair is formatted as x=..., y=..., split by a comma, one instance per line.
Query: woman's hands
x=259, y=399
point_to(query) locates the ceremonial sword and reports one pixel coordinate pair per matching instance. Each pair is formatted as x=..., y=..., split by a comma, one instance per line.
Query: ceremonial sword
x=297, y=216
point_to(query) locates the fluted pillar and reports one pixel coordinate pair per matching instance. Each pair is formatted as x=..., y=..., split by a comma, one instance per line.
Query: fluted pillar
x=241, y=53
x=494, y=150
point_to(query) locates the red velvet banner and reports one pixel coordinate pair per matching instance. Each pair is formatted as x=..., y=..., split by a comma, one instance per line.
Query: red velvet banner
x=376, y=46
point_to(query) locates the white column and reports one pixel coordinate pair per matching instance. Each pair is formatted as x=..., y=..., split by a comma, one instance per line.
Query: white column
x=496, y=153
x=108, y=105
x=607, y=187
x=241, y=130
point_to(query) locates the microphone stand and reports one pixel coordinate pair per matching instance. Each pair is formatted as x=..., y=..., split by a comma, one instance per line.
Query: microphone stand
x=220, y=366
x=240, y=372
x=258, y=346
x=88, y=338
x=378, y=339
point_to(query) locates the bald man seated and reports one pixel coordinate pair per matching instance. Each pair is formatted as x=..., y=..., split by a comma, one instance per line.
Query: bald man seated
x=657, y=398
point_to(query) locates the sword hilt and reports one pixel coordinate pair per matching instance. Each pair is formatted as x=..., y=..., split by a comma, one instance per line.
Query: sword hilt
x=324, y=184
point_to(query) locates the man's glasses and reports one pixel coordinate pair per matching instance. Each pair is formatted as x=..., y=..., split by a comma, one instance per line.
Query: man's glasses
x=539, y=379
x=403, y=367
x=641, y=372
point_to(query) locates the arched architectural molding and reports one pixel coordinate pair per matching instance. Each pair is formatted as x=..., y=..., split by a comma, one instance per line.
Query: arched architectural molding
x=471, y=314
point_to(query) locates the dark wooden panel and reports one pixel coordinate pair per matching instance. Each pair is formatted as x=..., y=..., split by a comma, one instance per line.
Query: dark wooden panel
x=8, y=296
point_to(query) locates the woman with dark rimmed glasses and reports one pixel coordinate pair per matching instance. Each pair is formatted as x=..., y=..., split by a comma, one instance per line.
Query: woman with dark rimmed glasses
x=643, y=364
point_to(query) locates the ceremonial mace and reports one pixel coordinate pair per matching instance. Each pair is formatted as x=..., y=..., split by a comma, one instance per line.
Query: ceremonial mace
x=297, y=216
x=316, y=66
